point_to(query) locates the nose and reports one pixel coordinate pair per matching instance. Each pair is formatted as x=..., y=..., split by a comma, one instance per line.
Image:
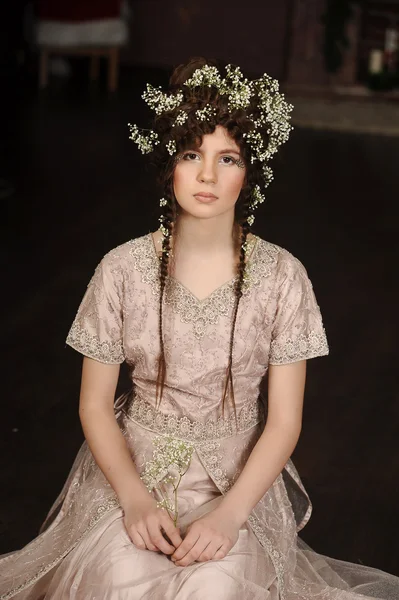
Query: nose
x=207, y=172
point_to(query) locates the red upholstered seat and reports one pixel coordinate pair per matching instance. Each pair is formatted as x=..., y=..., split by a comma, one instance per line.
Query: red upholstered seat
x=94, y=28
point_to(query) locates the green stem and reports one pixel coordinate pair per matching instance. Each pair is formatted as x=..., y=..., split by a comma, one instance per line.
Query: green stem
x=165, y=501
x=175, y=488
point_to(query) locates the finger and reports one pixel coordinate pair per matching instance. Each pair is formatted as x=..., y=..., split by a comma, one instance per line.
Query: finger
x=147, y=540
x=188, y=542
x=222, y=552
x=137, y=539
x=171, y=531
x=209, y=552
x=156, y=537
x=193, y=554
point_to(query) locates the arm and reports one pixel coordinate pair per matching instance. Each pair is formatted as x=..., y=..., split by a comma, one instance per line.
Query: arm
x=96, y=412
x=275, y=445
x=219, y=529
x=143, y=520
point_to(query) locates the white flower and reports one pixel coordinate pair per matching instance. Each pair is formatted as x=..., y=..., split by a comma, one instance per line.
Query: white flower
x=171, y=147
x=273, y=112
x=170, y=461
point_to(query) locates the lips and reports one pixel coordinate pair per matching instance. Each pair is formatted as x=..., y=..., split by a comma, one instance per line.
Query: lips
x=205, y=197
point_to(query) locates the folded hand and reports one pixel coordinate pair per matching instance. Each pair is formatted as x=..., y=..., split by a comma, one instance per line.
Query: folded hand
x=209, y=538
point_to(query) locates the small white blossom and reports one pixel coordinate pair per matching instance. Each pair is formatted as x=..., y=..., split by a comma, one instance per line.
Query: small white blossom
x=160, y=102
x=181, y=118
x=163, y=474
x=205, y=113
x=273, y=112
x=145, y=141
x=171, y=147
x=257, y=198
x=165, y=230
x=206, y=75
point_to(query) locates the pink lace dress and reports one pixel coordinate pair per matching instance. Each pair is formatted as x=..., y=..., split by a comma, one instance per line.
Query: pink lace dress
x=83, y=551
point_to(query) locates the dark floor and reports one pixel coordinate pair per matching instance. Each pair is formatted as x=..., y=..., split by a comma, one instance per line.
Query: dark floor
x=82, y=189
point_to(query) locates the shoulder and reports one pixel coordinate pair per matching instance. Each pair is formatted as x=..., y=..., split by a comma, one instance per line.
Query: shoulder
x=131, y=263
x=128, y=254
x=278, y=261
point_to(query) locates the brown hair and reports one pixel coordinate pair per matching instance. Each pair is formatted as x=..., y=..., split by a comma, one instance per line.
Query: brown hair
x=189, y=134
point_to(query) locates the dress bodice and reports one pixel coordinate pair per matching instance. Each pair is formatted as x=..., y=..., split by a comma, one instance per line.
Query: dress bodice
x=278, y=321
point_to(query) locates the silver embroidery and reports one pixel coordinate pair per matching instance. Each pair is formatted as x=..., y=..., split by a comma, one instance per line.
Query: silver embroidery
x=211, y=458
x=187, y=429
x=275, y=556
x=145, y=261
x=90, y=345
x=101, y=511
x=202, y=313
x=303, y=347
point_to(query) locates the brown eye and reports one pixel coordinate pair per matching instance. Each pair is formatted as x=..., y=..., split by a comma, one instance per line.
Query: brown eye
x=190, y=156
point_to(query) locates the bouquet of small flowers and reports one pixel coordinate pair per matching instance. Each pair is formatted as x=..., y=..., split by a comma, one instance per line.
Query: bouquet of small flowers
x=162, y=475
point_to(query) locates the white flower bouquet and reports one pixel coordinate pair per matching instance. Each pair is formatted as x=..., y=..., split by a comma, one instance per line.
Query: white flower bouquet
x=162, y=475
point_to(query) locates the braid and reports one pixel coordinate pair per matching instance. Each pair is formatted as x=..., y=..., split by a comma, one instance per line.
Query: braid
x=245, y=229
x=168, y=222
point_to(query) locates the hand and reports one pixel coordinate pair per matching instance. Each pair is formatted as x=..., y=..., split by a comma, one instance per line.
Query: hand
x=144, y=521
x=209, y=538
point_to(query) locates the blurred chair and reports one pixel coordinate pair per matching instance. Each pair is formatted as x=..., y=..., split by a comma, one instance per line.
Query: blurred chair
x=93, y=28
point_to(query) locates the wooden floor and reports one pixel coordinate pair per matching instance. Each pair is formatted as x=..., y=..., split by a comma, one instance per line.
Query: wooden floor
x=82, y=189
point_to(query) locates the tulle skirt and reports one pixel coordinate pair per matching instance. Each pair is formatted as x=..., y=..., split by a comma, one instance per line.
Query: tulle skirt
x=85, y=553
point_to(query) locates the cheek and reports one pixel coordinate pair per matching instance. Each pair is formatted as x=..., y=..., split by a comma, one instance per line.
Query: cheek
x=179, y=180
x=235, y=183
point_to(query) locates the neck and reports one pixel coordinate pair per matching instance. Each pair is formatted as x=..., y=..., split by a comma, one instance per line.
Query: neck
x=206, y=235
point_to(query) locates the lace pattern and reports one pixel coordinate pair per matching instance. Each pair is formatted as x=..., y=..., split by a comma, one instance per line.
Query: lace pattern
x=100, y=512
x=90, y=345
x=206, y=312
x=190, y=430
x=275, y=556
x=303, y=347
x=211, y=456
x=199, y=313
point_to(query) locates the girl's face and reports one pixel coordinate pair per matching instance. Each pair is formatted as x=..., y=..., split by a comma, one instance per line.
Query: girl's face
x=207, y=180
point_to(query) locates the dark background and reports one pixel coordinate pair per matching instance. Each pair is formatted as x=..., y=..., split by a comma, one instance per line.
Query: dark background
x=81, y=188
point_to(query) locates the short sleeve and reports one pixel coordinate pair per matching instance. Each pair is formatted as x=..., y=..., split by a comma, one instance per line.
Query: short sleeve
x=97, y=331
x=297, y=331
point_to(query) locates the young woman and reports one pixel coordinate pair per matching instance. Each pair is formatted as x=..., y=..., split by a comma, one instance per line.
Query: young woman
x=185, y=488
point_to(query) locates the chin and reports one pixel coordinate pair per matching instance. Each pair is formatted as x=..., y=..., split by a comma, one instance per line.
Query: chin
x=202, y=212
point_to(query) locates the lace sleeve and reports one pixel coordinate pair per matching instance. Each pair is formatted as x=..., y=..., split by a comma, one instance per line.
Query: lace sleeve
x=97, y=331
x=298, y=331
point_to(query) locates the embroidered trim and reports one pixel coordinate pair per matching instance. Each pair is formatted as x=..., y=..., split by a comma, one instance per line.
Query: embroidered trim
x=202, y=313
x=101, y=511
x=303, y=347
x=275, y=556
x=89, y=345
x=144, y=260
x=211, y=459
x=186, y=429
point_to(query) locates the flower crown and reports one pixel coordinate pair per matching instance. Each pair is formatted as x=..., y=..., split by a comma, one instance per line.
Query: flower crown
x=273, y=114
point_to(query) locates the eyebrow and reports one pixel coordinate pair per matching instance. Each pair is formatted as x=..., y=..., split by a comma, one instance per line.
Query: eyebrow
x=229, y=151
x=225, y=151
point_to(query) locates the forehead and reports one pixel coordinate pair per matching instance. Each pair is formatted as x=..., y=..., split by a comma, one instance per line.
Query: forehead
x=219, y=139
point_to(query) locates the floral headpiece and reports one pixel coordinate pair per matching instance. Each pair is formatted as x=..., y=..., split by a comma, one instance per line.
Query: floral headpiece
x=273, y=115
